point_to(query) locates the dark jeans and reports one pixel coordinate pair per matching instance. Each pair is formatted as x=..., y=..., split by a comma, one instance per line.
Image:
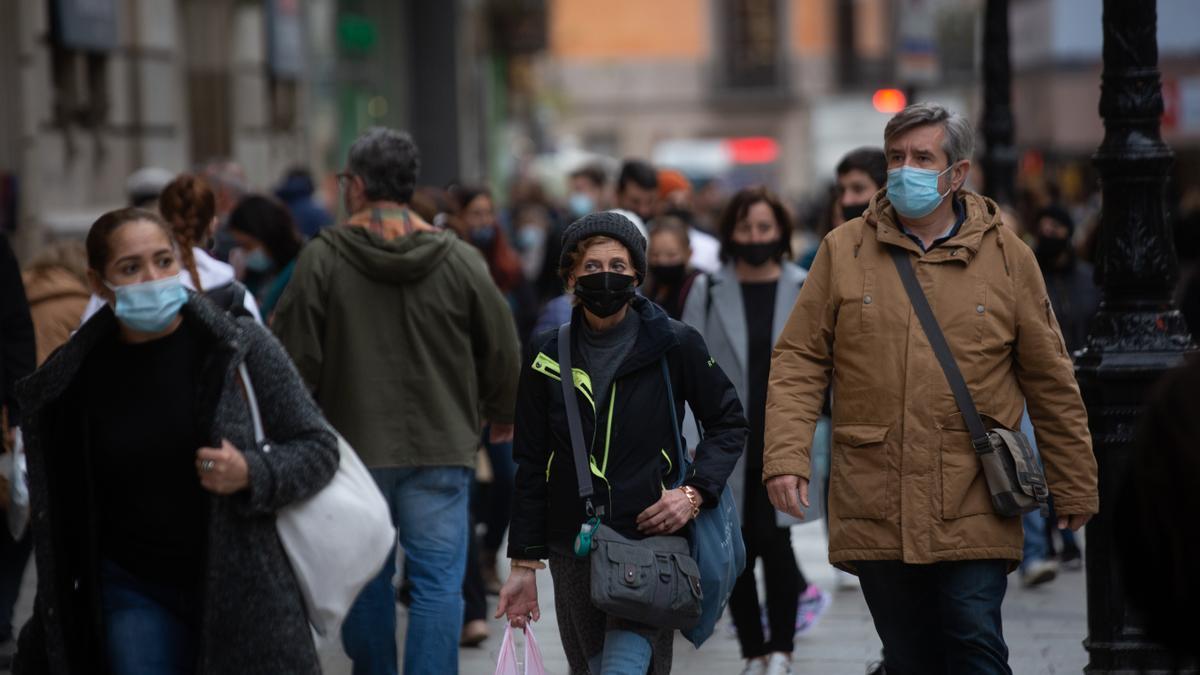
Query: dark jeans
x=14, y=556
x=150, y=629
x=939, y=618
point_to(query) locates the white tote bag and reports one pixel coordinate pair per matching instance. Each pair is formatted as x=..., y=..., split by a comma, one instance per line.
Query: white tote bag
x=338, y=539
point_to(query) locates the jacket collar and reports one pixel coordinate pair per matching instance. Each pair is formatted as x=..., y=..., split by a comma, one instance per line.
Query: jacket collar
x=655, y=334
x=726, y=294
x=48, y=382
x=982, y=215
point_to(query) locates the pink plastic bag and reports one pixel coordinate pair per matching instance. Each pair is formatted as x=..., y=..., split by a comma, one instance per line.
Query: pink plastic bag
x=507, y=663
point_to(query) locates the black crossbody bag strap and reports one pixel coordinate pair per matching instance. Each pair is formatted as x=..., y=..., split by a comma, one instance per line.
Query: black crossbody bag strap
x=683, y=462
x=574, y=425
x=962, y=395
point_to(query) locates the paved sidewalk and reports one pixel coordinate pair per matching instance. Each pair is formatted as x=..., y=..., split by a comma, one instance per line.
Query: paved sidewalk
x=1044, y=628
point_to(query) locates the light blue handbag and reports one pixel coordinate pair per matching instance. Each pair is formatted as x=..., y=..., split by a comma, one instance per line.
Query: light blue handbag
x=717, y=544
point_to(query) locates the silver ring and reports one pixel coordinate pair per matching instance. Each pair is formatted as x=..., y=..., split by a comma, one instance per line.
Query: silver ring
x=207, y=465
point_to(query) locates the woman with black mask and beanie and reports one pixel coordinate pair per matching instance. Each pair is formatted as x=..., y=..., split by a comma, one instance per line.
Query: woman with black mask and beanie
x=620, y=344
x=740, y=310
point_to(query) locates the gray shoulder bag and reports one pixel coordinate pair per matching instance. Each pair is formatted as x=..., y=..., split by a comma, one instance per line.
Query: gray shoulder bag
x=1014, y=474
x=655, y=580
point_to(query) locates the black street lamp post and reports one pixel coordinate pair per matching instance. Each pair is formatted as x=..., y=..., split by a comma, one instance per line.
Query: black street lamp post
x=1000, y=157
x=1138, y=333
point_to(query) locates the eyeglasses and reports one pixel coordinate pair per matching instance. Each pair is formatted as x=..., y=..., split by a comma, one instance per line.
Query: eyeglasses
x=343, y=177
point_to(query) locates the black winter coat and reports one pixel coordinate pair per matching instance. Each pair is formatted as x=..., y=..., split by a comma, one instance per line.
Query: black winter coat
x=253, y=619
x=629, y=429
x=18, y=345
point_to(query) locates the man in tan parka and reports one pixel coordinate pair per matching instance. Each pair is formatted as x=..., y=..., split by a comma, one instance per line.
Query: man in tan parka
x=909, y=506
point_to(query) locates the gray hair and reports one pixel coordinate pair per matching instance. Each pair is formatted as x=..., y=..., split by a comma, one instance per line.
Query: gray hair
x=959, y=140
x=388, y=162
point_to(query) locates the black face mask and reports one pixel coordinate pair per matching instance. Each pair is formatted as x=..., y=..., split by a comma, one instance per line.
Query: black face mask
x=852, y=211
x=604, y=293
x=755, y=255
x=1049, y=251
x=668, y=275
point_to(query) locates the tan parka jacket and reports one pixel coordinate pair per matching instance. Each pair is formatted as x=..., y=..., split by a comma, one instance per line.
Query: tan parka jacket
x=905, y=483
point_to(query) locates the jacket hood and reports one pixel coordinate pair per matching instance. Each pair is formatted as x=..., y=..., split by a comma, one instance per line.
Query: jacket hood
x=983, y=215
x=395, y=261
x=53, y=283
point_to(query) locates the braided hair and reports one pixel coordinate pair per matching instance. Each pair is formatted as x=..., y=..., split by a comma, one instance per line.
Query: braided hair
x=188, y=205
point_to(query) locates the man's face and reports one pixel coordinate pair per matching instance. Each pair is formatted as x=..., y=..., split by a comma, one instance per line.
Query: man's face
x=855, y=187
x=921, y=147
x=1049, y=228
x=640, y=200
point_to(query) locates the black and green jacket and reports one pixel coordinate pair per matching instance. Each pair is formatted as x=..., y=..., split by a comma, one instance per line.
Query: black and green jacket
x=628, y=428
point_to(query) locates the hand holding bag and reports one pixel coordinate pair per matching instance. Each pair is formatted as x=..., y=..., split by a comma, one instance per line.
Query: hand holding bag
x=655, y=580
x=507, y=663
x=336, y=540
x=1014, y=474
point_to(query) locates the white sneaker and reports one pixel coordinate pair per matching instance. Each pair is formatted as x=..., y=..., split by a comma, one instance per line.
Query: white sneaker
x=779, y=664
x=1039, y=572
x=755, y=667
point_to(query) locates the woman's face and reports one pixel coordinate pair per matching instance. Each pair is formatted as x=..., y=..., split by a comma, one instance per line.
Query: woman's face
x=667, y=249
x=605, y=256
x=758, y=227
x=138, y=251
x=246, y=242
x=478, y=214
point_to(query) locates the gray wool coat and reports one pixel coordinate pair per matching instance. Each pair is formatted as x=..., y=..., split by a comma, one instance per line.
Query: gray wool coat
x=253, y=619
x=714, y=307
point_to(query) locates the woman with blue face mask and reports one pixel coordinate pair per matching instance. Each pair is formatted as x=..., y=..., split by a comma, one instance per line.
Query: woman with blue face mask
x=264, y=229
x=153, y=507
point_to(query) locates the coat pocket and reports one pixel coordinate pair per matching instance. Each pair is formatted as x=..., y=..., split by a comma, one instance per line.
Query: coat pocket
x=860, y=476
x=964, y=486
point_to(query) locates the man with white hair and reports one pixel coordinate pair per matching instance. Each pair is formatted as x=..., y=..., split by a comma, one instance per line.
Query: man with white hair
x=910, y=511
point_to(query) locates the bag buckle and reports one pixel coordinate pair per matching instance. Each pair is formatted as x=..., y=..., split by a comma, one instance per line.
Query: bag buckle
x=982, y=445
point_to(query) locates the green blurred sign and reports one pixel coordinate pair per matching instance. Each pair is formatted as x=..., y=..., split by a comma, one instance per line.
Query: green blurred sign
x=356, y=34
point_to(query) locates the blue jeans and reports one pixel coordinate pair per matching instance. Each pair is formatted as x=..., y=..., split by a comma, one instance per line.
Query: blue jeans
x=624, y=653
x=150, y=629
x=1035, y=547
x=939, y=618
x=429, y=510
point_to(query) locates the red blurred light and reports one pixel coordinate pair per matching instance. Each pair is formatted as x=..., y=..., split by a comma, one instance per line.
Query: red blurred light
x=753, y=150
x=889, y=100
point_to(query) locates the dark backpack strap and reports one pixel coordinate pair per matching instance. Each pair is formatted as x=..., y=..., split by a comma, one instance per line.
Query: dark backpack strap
x=675, y=434
x=962, y=395
x=574, y=425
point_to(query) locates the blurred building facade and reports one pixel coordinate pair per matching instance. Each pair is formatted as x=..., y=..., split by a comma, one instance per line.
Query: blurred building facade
x=1056, y=55
x=673, y=80
x=95, y=89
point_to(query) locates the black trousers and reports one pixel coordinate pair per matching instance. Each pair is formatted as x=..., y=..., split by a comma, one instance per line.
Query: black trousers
x=785, y=583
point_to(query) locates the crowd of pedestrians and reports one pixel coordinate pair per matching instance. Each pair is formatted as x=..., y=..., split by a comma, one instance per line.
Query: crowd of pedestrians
x=451, y=335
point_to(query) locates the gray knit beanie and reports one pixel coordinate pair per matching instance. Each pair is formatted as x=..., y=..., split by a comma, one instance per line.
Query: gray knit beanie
x=605, y=224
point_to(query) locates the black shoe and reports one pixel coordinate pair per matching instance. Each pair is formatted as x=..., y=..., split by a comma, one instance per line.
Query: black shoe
x=1071, y=558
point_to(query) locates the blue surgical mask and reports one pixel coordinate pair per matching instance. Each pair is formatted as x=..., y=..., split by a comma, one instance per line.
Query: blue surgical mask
x=151, y=306
x=258, y=261
x=580, y=204
x=530, y=238
x=913, y=191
